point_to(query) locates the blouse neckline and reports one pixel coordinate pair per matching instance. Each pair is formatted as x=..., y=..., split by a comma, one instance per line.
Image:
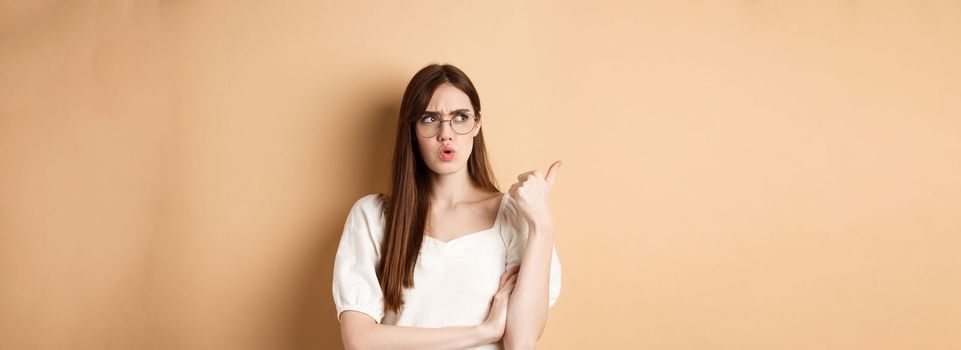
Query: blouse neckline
x=497, y=220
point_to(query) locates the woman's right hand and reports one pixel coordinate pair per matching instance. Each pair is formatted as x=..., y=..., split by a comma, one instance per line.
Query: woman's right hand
x=493, y=328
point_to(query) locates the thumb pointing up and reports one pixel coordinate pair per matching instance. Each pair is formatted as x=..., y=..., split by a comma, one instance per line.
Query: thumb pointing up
x=552, y=173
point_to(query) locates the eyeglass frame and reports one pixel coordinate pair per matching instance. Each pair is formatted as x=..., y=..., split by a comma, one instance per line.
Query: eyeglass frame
x=450, y=121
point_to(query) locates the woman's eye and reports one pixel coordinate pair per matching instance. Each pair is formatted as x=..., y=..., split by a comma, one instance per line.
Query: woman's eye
x=463, y=117
x=427, y=119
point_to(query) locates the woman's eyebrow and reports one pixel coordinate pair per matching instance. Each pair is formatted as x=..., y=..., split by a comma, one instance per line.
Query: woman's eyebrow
x=462, y=110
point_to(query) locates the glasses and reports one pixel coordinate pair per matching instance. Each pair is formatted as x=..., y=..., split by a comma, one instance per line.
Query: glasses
x=430, y=125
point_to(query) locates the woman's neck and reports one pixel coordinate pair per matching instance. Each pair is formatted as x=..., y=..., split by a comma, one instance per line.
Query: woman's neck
x=451, y=189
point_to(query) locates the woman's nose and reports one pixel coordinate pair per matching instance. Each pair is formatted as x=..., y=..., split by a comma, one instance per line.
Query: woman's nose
x=446, y=132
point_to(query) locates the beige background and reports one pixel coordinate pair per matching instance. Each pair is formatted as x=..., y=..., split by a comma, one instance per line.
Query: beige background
x=738, y=175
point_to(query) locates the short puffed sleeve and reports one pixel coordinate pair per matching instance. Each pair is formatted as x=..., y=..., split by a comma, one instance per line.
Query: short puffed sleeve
x=355, y=283
x=515, y=231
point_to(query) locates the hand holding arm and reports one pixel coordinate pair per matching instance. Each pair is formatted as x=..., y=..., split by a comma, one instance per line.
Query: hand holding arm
x=360, y=331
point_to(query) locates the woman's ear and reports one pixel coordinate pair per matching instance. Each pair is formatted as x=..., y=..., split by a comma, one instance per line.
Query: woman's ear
x=478, y=127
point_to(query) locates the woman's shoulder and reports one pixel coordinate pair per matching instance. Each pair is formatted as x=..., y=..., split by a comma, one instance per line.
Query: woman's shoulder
x=370, y=204
x=366, y=219
x=513, y=222
x=510, y=208
x=370, y=208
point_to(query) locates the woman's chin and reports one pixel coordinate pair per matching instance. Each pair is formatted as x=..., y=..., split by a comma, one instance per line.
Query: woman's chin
x=447, y=168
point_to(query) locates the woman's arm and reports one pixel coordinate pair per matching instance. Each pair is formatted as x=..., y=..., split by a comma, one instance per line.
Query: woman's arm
x=527, y=313
x=359, y=331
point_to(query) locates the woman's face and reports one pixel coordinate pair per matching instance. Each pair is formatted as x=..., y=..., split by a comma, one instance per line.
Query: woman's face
x=447, y=152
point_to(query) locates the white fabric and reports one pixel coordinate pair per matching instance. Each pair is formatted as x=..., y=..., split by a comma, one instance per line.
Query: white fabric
x=454, y=282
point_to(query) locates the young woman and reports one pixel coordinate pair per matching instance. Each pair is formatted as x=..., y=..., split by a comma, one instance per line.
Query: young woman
x=447, y=261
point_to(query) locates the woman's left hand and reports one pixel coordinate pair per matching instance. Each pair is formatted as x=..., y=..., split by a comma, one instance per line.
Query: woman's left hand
x=531, y=194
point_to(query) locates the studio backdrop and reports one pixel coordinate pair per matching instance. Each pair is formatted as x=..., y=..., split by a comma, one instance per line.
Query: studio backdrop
x=737, y=174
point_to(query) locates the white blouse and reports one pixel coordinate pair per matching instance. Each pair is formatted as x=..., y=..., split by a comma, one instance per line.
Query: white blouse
x=454, y=281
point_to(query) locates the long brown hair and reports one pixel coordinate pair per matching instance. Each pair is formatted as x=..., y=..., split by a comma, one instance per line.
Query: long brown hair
x=407, y=206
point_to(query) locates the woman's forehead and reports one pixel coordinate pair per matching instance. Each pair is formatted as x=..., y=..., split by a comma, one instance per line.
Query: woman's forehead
x=447, y=98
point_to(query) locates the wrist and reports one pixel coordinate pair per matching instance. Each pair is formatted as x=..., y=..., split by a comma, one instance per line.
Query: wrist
x=541, y=226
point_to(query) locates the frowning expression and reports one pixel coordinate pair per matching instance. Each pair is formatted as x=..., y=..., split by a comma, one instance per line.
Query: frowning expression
x=450, y=110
